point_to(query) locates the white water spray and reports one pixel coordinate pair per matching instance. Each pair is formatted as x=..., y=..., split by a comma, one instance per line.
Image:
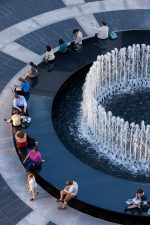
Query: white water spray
x=115, y=73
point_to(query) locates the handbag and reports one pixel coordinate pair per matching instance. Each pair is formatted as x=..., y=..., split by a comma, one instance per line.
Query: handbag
x=45, y=61
x=25, y=121
x=113, y=35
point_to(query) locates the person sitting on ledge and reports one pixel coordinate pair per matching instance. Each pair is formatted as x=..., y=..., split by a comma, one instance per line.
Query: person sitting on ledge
x=21, y=143
x=69, y=192
x=15, y=119
x=63, y=47
x=33, y=160
x=102, y=32
x=78, y=36
x=49, y=58
x=23, y=88
x=33, y=74
x=20, y=103
x=136, y=202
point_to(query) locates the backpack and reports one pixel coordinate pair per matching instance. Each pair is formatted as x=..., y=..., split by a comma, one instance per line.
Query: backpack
x=25, y=121
x=113, y=35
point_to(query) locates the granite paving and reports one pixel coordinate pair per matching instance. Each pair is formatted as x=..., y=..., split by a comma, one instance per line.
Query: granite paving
x=135, y=19
x=9, y=67
x=49, y=35
x=12, y=12
x=12, y=209
x=92, y=0
x=51, y=223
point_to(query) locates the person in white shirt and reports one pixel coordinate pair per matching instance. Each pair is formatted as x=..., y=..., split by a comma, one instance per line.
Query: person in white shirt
x=69, y=192
x=102, y=31
x=20, y=103
x=32, y=185
x=49, y=57
x=78, y=36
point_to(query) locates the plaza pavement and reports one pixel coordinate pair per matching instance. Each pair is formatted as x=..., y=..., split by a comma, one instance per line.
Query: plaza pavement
x=25, y=30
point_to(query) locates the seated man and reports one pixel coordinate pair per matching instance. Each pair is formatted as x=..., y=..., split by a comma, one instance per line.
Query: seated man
x=23, y=88
x=69, y=192
x=20, y=103
x=136, y=201
x=102, y=33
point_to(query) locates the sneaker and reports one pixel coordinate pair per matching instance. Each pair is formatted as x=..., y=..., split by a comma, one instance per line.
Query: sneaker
x=32, y=199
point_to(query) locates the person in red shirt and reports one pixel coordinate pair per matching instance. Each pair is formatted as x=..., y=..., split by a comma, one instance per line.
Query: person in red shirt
x=21, y=143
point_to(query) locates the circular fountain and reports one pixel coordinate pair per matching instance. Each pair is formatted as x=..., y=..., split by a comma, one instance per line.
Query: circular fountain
x=80, y=144
x=115, y=74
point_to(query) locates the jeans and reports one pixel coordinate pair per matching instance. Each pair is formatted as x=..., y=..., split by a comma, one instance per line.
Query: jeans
x=30, y=165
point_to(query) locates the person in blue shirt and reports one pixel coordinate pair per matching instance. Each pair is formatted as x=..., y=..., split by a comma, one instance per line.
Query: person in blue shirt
x=63, y=47
x=23, y=88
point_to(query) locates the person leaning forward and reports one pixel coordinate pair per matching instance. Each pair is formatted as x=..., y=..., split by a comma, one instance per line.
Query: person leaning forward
x=69, y=192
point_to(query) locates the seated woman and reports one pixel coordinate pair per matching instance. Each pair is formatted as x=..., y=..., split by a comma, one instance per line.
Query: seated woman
x=63, y=47
x=23, y=88
x=78, y=37
x=33, y=74
x=33, y=160
x=136, y=201
x=21, y=143
x=20, y=103
x=49, y=58
x=15, y=119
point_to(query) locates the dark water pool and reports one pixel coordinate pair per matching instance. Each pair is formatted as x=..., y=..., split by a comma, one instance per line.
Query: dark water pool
x=65, y=112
